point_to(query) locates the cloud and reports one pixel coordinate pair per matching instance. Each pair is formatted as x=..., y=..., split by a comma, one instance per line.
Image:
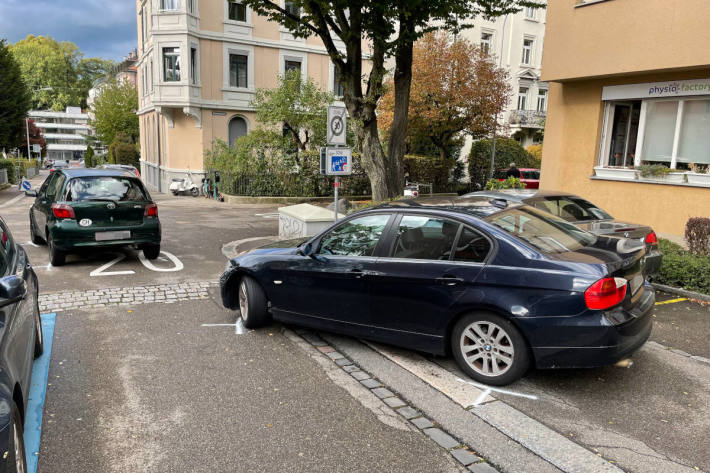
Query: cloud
x=101, y=28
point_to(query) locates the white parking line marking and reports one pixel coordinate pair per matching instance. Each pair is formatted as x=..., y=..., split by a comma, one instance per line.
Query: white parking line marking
x=488, y=389
x=239, y=328
x=100, y=271
x=270, y=215
x=148, y=264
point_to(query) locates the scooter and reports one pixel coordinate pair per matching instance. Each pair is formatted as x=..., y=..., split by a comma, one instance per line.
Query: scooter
x=180, y=186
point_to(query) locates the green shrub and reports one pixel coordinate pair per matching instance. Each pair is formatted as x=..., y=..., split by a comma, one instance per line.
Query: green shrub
x=11, y=167
x=123, y=151
x=507, y=151
x=658, y=170
x=535, y=151
x=683, y=269
x=428, y=169
x=509, y=183
x=89, y=157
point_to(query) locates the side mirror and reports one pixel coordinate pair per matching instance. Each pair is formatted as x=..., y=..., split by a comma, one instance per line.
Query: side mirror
x=12, y=289
x=32, y=193
x=307, y=250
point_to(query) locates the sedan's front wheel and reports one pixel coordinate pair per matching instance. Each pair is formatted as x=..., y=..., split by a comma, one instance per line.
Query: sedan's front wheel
x=39, y=335
x=252, y=303
x=16, y=461
x=490, y=349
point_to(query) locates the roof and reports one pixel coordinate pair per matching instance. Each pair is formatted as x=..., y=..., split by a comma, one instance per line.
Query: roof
x=517, y=195
x=477, y=206
x=91, y=172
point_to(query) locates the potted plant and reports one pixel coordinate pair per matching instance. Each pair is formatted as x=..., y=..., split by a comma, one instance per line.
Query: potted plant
x=660, y=172
x=699, y=174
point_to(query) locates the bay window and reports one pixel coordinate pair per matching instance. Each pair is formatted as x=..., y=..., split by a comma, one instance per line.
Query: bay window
x=171, y=64
x=169, y=5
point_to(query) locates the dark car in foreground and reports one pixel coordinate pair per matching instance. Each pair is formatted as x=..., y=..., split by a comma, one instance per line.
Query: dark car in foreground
x=84, y=209
x=585, y=215
x=20, y=342
x=501, y=286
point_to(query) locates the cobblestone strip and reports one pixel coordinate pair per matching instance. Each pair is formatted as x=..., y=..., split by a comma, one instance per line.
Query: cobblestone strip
x=461, y=452
x=125, y=296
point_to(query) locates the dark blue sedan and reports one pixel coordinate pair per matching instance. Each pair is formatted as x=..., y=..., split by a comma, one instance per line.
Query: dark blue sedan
x=499, y=285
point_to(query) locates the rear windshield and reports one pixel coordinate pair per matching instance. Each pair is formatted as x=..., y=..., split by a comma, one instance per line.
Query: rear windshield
x=541, y=230
x=105, y=188
x=570, y=208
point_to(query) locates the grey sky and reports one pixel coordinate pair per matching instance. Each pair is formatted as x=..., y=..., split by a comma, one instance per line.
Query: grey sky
x=101, y=28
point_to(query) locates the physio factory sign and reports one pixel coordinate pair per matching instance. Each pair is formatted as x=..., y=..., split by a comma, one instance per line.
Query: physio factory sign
x=651, y=90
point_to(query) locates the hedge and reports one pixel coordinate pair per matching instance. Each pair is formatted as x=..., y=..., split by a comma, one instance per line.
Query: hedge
x=683, y=269
x=10, y=165
x=429, y=169
x=507, y=151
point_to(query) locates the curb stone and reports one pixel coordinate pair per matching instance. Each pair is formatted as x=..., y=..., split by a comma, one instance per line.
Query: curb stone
x=461, y=452
x=682, y=292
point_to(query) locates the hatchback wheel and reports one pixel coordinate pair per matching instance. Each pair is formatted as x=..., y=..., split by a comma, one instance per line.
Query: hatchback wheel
x=490, y=349
x=252, y=303
x=56, y=256
x=151, y=251
x=16, y=461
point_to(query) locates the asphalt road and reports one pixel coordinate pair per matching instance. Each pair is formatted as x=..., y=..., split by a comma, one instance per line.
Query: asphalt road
x=148, y=388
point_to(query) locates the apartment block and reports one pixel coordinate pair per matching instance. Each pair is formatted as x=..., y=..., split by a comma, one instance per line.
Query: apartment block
x=65, y=132
x=199, y=65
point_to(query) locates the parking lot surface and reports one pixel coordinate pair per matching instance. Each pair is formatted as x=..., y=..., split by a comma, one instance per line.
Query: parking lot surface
x=138, y=382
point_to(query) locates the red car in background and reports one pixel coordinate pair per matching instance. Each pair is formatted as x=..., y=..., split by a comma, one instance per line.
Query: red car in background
x=530, y=176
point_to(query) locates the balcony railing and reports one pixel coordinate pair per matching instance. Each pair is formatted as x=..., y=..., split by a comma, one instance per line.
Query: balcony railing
x=527, y=118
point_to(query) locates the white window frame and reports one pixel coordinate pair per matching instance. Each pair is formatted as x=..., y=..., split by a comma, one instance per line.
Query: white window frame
x=289, y=55
x=544, y=97
x=248, y=20
x=491, y=43
x=525, y=96
x=530, y=13
x=243, y=49
x=192, y=7
x=152, y=84
x=180, y=47
x=609, y=119
x=531, y=56
x=195, y=73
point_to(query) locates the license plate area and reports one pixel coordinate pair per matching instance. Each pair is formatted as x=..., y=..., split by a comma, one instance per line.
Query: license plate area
x=117, y=235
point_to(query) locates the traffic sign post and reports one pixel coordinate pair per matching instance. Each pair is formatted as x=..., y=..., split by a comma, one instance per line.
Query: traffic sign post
x=336, y=162
x=337, y=126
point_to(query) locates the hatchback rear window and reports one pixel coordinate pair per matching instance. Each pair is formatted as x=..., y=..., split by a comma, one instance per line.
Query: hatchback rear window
x=104, y=188
x=543, y=231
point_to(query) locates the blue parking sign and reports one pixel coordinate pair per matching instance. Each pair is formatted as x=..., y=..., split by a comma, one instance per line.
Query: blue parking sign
x=338, y=164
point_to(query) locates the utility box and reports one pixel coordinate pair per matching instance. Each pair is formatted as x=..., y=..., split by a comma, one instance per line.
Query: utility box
x=304, y=220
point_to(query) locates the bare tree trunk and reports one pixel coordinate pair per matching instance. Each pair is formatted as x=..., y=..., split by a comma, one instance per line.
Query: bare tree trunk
x=373, y=158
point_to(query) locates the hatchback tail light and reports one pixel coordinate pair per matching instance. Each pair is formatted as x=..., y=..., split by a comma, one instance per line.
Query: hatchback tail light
x=605, y=293
x=652, y=239
x=63, y=211
x=151, y=210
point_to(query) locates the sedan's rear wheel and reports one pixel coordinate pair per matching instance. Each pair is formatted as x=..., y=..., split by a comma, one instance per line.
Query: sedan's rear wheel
x=16, y=461
x=252, y=303
x=490, y=349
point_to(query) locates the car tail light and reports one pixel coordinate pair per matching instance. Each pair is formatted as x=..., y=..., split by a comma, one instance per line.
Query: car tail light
x=652, y=239
x=605, y=293
x=63, y=211
x=151, y=210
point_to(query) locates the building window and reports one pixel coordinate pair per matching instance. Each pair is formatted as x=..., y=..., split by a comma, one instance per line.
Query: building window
x=292, y=9
x=142, y=31
x=191, y=7
x=237, y=129
x=337, y=83
x=151, y=76
x=527, y=51
x=290, y=65
x=171, y=64
x=486, y=43
x=237, y=11
x=193, y=66
x=238, y=75
x=170, y=5
x=530, y=13
x=522, y=98
x=624, y=133
x=542, y=100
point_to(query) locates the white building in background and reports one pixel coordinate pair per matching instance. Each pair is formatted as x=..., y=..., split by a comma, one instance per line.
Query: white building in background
x=65, y=132
x=515, y=42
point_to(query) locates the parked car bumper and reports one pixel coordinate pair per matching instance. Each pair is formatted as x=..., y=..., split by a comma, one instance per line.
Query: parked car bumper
x=67, y=235
x=590, y=340
x=653, y=262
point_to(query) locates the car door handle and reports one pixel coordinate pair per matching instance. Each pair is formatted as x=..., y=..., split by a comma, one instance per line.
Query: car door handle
x=448, y=280
x=361, y=273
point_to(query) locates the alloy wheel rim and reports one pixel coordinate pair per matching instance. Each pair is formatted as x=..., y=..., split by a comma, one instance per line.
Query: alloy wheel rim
x=19, y=447
x=243, y=301
x=487, y=348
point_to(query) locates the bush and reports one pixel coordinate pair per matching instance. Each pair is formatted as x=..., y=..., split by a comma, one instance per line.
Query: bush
x=11, y=167
x=89, y=157
x=123, y=151
x=683, y=269
x=509, y=183
x=657, y=170
x=535, y=151
x=428, y=169
x=697, y=235
x=507, y=151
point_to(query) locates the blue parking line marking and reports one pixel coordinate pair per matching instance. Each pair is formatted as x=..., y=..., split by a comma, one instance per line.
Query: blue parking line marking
x=38, y=392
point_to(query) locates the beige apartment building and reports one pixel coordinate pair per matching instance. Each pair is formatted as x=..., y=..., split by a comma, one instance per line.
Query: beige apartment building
x=629, y=86
x=200, y=63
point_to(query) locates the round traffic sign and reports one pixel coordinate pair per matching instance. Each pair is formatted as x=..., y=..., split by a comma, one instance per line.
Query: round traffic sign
x=336, y=125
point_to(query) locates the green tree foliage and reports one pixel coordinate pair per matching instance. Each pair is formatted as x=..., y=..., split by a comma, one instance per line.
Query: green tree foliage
x=389, y=28
x=56, y=73
x=14, y=100
x=115, y=112
x=509, y=183
x=297, y=105
x=123, y=151
x=89, y=157
x=507, y=151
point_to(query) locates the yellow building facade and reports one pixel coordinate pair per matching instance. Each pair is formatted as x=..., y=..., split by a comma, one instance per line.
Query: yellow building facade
x=200, y=63
x=628, y=121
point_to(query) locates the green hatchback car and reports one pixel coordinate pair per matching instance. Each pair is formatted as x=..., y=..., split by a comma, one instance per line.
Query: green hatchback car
x=80, y=209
